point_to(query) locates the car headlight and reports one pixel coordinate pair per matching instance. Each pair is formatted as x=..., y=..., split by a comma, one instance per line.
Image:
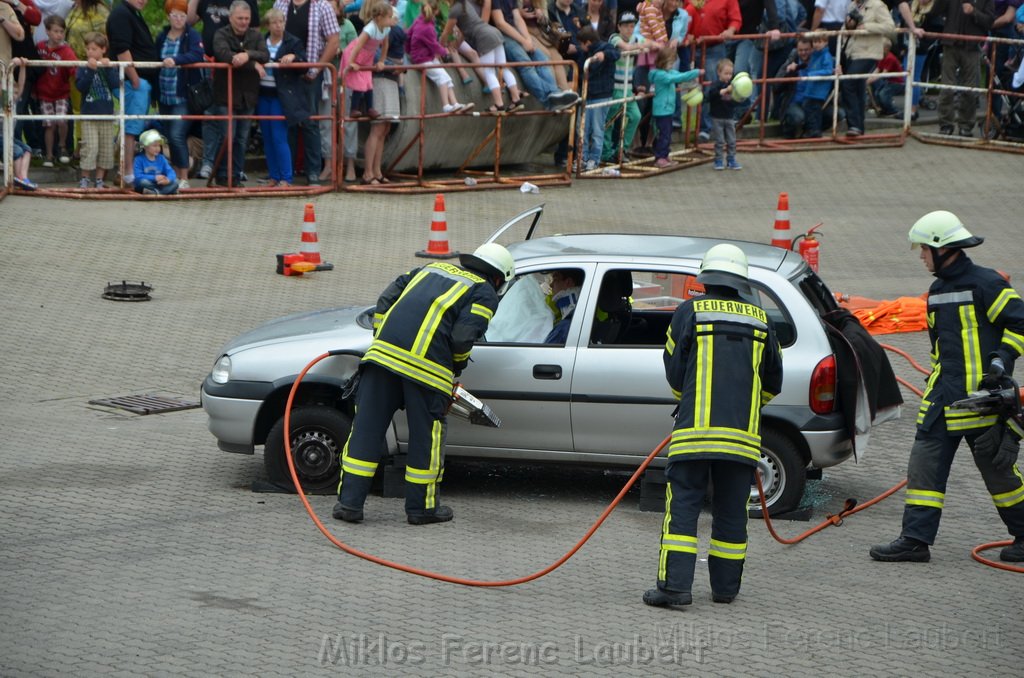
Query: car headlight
x=221, y=372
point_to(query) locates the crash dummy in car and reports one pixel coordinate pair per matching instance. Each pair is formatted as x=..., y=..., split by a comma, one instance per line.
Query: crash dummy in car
x=564, y=292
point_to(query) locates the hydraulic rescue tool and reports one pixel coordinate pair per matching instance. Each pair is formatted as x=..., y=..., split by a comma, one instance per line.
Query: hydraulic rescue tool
x=1004, y=401
x=467, y=406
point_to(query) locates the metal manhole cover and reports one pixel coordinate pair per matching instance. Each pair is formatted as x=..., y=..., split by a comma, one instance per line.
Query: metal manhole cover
x=127, y=291
x=147, y=403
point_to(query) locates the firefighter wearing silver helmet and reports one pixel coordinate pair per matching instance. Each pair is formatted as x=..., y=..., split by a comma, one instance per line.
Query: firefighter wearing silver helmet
x=976, y=328
x=723, y=363
x=425, y=325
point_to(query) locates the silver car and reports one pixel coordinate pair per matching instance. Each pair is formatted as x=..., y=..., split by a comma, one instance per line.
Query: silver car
x=598, y=399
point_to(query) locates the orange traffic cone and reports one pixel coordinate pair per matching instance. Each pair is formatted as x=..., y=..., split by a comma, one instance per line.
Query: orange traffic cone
x=437, y=244
x=780, y=236
x=310, y=248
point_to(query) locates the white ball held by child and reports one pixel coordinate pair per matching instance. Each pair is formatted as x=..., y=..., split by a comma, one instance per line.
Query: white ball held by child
x=693, y=97
x=742, y=86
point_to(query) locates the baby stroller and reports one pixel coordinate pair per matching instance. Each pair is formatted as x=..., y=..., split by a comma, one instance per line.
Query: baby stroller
x=1009, y=125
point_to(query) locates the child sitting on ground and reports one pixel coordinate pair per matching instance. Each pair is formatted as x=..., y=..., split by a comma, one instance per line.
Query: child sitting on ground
x=153, y=172
x=98, y=83
x=664, y=79
x=53, y=88
x=884, y=88
x=424, y=48
x=22, y=161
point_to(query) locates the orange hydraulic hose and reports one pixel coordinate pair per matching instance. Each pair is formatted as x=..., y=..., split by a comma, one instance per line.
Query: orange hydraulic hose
x=976, y=554
x=428, y=573
x=849, y=508
x=906, y=355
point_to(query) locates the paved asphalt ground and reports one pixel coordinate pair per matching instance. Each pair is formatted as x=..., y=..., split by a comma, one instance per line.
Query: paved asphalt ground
x=130, y=545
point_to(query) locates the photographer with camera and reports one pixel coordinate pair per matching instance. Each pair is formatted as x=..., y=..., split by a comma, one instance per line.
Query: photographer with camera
x=961, y=60
x=860, y=55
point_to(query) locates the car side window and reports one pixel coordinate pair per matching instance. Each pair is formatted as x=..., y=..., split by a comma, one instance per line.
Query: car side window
x=782, y=323
x=537, y=308
x=635, y=307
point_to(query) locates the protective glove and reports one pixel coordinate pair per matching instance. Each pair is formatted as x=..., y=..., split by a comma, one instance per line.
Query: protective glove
x=995, y=377
x=987, y=444
x=1006, y=456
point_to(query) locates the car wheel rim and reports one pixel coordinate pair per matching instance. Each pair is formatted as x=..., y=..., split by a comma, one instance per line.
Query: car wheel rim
x=771, y=481
x=315, y=454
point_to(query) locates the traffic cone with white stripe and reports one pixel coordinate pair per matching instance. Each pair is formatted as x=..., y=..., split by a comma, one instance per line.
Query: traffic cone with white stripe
x=437, y=244
x=781, y=235
x=310, y=248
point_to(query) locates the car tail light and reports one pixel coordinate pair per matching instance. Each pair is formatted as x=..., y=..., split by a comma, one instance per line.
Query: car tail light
x=823, y=386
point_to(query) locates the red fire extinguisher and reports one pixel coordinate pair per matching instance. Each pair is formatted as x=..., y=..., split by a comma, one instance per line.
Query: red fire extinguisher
x=810, y=247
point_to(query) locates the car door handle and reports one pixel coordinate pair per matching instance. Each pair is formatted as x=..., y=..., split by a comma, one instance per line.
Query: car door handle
x=547, y=371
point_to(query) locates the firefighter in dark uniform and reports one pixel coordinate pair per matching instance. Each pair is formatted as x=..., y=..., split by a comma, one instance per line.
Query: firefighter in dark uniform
x=723, y=364
x=425, y=325
x=976, y=328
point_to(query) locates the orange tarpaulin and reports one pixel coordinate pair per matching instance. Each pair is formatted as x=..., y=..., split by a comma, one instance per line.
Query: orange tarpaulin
x=904, y=314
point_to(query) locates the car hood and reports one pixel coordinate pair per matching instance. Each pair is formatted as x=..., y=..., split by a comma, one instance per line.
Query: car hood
x=341, y=325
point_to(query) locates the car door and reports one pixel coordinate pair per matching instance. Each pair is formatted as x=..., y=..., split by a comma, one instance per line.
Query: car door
x=526, y=382
x=621, y=404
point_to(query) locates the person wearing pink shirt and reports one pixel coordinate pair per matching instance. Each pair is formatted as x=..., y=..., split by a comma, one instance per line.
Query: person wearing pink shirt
x=425, y=48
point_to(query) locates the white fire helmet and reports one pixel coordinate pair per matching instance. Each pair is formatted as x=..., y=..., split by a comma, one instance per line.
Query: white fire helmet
x=942, y=229
x=726, y=265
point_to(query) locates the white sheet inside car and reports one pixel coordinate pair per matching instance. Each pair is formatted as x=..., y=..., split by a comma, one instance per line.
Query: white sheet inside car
x=523, y=315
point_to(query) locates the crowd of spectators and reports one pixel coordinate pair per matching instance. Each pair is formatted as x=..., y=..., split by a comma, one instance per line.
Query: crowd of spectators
x=625, y=41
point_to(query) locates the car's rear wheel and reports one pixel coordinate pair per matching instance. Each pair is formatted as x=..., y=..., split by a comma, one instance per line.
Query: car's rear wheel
x=783, y=474
x=318, y=434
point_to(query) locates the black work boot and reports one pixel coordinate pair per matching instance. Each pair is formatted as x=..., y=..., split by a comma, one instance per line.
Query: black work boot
x=903, y=549
x=442, y=514
x=1014, y=553
x=722, y=598
x=347, y=513
x=663, y=598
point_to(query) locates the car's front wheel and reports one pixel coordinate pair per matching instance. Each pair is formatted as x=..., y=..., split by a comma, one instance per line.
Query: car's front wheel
x=318, y=434
x=783, y=474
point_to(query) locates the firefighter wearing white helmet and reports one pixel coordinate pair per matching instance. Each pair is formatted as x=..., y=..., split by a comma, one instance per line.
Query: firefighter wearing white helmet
x=723, y=363
x=425, y=325
x=976, y=328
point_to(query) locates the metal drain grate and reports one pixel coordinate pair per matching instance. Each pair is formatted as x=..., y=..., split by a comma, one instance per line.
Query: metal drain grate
x=127, y=291
x=147, y=403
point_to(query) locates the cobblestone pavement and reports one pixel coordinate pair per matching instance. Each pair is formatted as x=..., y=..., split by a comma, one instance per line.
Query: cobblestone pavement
x=130, y=545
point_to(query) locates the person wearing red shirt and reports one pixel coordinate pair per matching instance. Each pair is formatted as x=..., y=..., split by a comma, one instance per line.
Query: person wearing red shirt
x=53, y=87
x=713, y=23
x=883, y=88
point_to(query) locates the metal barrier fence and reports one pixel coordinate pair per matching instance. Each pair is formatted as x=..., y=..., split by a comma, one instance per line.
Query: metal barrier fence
x=225, y=153
x=690, y=152
x=467, y=175
x=688, y=155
